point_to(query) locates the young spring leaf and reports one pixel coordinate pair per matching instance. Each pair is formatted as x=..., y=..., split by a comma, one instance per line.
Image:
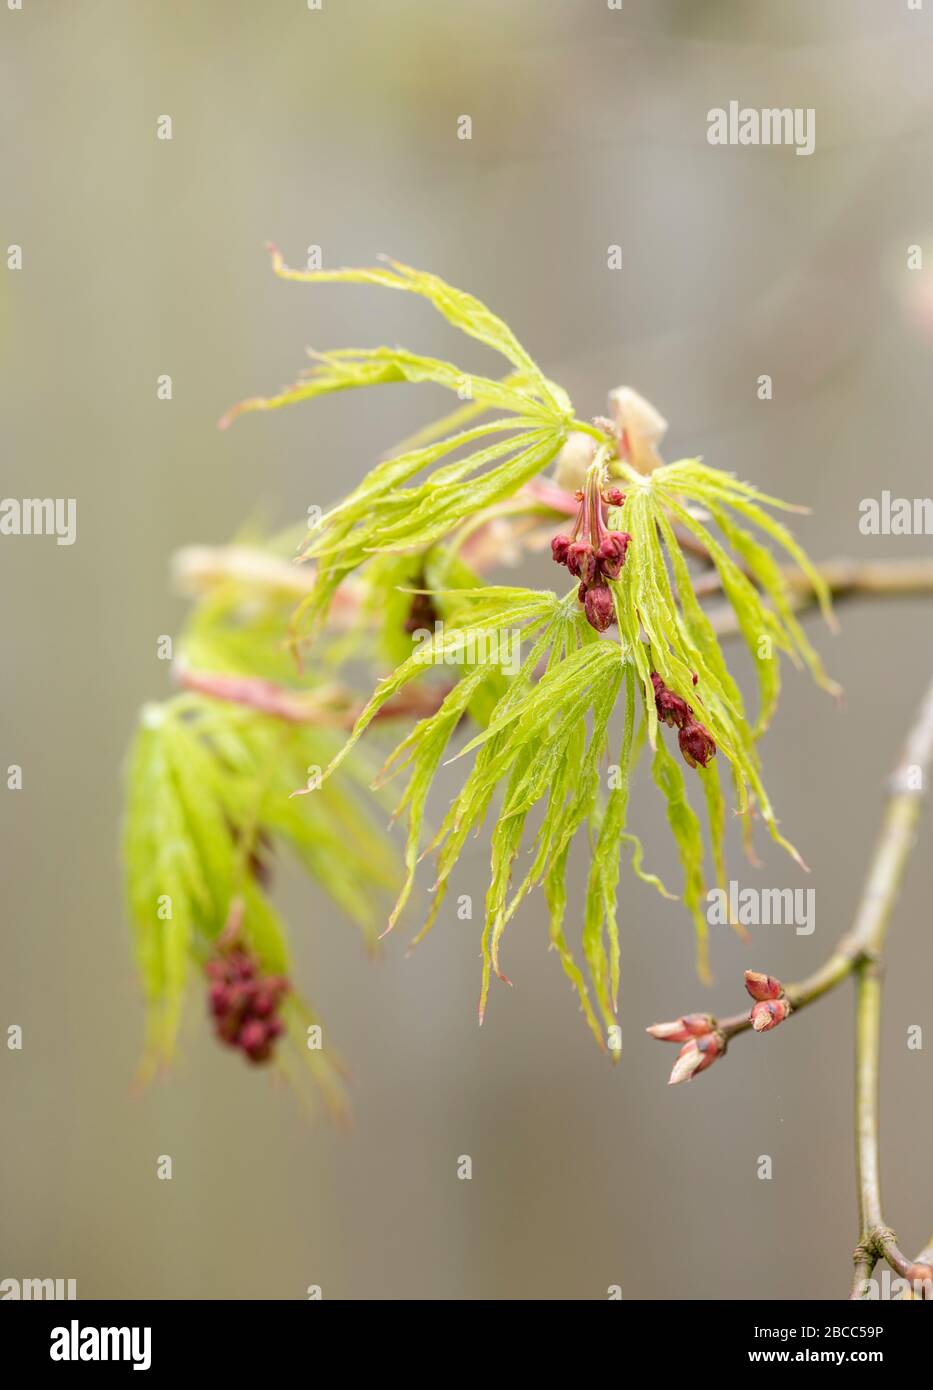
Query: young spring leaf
x=545, y=727
x=388, y=510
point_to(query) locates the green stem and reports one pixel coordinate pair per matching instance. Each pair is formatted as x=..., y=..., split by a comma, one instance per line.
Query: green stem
x=876, y=1240
x=867, y=1051
x=583, y=427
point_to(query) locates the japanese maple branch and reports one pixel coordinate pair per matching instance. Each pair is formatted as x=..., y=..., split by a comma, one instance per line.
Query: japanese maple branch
x=876, y=1240
x=197, y=569
x=201, y=568
x=861, y=947
x=331, y=706
x=846, y=579
x=859, y=953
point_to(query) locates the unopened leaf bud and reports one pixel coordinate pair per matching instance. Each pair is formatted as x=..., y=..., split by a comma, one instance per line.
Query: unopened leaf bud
x=763, y=986
x=768, y=1013
x=696, y=1055
x=684, y=1028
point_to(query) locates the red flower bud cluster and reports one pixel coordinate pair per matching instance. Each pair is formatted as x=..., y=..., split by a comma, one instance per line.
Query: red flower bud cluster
x=695, y=741
x=771, y=1006
x=593, y=554
x=702, y=1042
x=244, y=1004
x=672, y=710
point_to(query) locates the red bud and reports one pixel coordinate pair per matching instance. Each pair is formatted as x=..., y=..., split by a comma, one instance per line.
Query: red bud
x=696, y=744
x=581, y=561
x=696, y=1055
x=672, y=710
x=559, y=548
x=763, y=986
x=688, y=1026
x=768, y=1013
x=255, y=1041
x=599, y=608
x=611, y=552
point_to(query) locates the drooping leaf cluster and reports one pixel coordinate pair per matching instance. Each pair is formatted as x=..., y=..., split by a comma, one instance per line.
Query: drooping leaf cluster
x=211, y=814
x=558, y=736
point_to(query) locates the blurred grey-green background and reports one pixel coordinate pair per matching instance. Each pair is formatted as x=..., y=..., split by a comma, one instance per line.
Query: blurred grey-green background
x=338, y=128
